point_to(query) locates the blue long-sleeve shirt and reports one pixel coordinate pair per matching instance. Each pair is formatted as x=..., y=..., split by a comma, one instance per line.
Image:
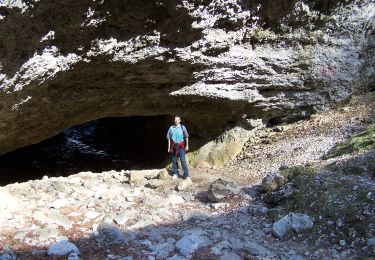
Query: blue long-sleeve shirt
x=177, y=133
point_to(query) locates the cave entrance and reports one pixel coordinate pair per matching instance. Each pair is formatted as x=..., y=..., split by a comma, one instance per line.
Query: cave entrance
x=111, y=143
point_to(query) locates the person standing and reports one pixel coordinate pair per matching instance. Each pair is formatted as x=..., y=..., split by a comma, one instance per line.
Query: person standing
x=178, y=144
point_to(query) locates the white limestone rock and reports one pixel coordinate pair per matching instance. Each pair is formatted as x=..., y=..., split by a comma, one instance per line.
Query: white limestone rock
x=292, y=221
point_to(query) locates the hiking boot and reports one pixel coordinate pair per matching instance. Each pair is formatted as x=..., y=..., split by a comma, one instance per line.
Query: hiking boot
x=174, y=176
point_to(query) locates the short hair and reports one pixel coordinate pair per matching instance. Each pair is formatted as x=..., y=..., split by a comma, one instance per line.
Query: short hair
x=177, y=116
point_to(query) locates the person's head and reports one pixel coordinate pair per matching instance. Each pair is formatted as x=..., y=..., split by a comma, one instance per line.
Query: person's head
x=177, y=120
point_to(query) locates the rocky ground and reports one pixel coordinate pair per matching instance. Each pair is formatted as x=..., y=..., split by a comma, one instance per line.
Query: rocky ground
x=305, y=141
x=222, y=214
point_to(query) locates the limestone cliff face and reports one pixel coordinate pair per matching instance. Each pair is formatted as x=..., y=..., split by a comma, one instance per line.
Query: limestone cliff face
x=67, y=62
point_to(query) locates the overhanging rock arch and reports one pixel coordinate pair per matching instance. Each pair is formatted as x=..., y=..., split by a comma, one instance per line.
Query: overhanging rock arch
x=196, y=58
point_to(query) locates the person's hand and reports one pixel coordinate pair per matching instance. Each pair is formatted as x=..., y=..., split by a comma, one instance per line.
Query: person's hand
x=186, y=148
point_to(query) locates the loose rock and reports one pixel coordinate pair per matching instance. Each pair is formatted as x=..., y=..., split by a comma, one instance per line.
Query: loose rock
x=191, y=242
x=62, y=248
x=220, y=189
x=230, y=256
x=184, y=185
x=283, y=193
x=292, y=221
x=163, y=175
x=8, y=255
x=109, y=234
x=273, y=181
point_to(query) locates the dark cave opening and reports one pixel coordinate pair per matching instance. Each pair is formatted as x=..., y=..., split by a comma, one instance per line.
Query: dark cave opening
x=111, y=143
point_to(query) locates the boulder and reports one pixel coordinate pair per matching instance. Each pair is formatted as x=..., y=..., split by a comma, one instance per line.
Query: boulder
x=195, y=214
x=257, y=210
x=184, y=184
x=107, y=233
x=273, y=181
x=175, y=199
x=153, y=200
x=221, y=247
x=162, y=250
x=163, y=175
x=292, y=221
x=45, y=234
x=220, y=189
x=284, y=192
x=122, y=217
x=62, y=248
x=257, y=250
x=137, y=176
x=192, y=242
x=155, y=183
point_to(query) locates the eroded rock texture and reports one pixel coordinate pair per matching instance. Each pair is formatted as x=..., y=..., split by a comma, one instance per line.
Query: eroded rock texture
x=213, y=61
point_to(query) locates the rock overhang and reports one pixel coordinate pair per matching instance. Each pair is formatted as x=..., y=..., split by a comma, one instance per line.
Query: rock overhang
x=210, y=61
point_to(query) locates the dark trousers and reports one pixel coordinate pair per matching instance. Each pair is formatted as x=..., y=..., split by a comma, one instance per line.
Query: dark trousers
x=181, y=154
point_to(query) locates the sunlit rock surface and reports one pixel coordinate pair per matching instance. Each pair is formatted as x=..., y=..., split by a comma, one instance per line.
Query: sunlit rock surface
x=215, y=62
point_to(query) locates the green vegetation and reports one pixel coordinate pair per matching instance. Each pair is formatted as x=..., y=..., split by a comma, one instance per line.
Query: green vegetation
x=361, y=142
x=330, y=194
x=332, y=197
x=295, y=171
x=348, y=168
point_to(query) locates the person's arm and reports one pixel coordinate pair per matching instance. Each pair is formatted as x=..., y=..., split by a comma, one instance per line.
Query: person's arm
x=186, y=135
x=169, y=140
